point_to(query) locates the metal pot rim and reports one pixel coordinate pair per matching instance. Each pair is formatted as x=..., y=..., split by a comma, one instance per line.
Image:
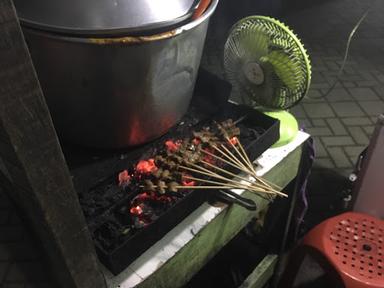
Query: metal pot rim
x=104, y=18
x=127, y=40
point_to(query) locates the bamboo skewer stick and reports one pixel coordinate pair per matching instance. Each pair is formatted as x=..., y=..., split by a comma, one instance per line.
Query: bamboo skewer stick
x=204, y=172
x=230, y=160
x=223, y=153
x=234, y=165
x=223, y=160
x=210, y=173
x=226, y=136
x=237, y=164
x=240, y=119
x=244, y=168
x=239, y=153
x=253, y=168
x=234, y=160
x=207, y=172
x=253, y=184
x=239, y=177
x=247, y=161
x=250, y=169
x=200, y=187
x=234, y=186
x=218, y=176
x=233, y=157
x=241, y=148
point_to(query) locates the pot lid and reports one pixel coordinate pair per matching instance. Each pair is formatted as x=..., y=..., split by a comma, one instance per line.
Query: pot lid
x=103, y=16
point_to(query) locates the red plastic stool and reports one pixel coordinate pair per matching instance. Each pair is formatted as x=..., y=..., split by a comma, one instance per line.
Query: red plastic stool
x=351, y=245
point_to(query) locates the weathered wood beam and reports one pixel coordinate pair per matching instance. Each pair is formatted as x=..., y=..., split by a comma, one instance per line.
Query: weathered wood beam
x=32, y=161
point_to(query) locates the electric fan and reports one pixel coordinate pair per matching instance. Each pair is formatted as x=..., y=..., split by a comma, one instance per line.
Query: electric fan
x=268, y=65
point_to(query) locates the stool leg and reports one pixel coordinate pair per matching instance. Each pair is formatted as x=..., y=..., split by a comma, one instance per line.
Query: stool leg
x=295, y=260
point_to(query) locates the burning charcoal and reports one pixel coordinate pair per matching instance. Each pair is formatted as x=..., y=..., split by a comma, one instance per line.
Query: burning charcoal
x=124, y=178
x=186, y=181
x=136, y=210
x=234, y=140
x=172, y=146
x=146, y=166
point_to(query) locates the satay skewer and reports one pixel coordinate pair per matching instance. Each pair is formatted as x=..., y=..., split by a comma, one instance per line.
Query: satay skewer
x=249, y=166
x=237, y=185
x=233, y=157
x=266, y=189
x=228, y=156
x=242, y=178
x=204, y=171
x=217, y=185
x=234, y=165
x=237, y=165
x=253, y=168
x=234, y=186
x=246, y=164
x=228, y=173
x=239, y=153
x=201, y=187
x=240, y=119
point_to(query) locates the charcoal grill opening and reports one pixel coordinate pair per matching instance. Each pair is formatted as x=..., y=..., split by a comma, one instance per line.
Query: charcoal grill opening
x=123, y=218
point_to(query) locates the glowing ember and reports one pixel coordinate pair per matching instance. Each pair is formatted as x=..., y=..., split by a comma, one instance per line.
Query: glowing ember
x=142, y=197
x=136, y=210
x=208, y=158
x=172, y=146
x=124, y=178
x=163, y=198
x=233, y=141
x=146, y=166
x=187, y=182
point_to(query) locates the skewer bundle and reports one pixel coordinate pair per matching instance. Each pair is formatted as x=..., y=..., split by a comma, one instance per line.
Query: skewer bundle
x=200, y=164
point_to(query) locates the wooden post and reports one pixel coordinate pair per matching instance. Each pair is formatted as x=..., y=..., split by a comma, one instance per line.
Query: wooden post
x=32, y=161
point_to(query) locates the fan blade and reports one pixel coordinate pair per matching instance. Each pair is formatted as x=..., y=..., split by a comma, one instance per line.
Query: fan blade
x=287, y=68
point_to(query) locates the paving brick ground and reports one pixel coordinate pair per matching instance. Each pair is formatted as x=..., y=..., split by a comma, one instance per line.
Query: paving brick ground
x=340, y=121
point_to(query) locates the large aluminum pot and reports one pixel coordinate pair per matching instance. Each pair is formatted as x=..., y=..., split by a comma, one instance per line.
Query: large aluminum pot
x=118, y=92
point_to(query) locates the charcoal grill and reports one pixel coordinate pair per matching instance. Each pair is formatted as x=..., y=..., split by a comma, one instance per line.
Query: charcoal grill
x=117, y=240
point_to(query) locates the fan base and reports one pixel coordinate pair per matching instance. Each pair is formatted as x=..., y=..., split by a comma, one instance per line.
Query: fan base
x=288, y=127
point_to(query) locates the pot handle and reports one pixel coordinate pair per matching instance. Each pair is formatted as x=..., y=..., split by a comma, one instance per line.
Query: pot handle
x=234, y=198
x=203, y=5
